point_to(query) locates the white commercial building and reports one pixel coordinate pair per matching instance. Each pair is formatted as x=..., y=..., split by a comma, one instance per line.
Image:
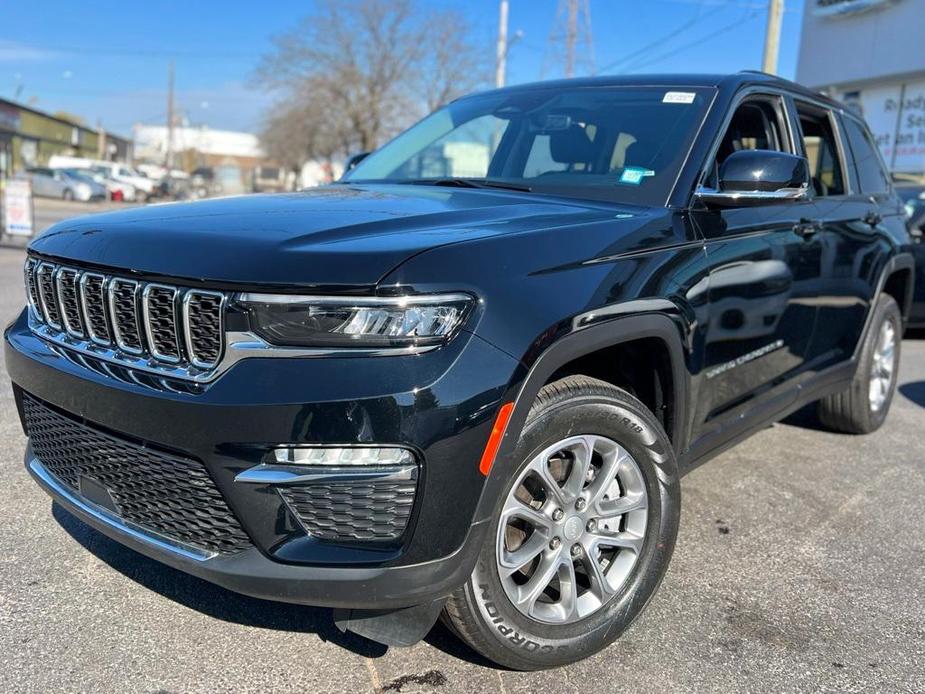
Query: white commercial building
x=871, y=55
x=151, y=142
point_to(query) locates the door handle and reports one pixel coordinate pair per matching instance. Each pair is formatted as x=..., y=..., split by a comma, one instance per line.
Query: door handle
x=873, y=218
x=806, y=228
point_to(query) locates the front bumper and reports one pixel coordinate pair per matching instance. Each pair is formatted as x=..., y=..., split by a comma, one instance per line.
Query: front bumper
x=440, y=404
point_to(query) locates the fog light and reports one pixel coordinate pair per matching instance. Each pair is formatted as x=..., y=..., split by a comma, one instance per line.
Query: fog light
x=341, y=457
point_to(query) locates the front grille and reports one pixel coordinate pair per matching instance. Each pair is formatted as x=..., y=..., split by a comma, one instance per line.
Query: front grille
x=138, y=323
x=367, y=511
x=172, y=496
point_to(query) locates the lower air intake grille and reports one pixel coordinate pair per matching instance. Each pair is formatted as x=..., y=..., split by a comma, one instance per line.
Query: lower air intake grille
x=169, y=495
x=353, y=511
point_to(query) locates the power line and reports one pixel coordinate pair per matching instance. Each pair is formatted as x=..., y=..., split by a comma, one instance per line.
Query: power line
x=701, y=40
x=696, y=19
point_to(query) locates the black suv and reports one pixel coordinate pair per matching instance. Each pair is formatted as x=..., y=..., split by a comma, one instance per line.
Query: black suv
x=467, y=378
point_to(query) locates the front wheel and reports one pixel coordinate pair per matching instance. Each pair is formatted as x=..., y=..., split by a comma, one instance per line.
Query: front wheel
x=582, y=535
x=68, y=194
x=863, y=407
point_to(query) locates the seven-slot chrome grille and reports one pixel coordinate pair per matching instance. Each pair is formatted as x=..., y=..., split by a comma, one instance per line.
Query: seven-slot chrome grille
x=140, y=324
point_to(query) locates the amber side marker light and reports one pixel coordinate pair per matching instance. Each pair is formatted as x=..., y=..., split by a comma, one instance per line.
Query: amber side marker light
x=494, y=439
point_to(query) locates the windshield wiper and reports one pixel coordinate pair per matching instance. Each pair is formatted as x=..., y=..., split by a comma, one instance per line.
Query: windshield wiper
x=459, y=182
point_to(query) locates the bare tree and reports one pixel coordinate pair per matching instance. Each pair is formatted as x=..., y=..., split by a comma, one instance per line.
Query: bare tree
x=364, y=69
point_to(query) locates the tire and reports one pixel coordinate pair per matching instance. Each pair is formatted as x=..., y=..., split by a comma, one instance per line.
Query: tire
x=856, y=410
x=482, y=611
x=68, y=194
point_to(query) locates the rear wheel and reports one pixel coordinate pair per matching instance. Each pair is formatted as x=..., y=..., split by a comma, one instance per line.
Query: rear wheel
x=582, y=535
x=863, y=407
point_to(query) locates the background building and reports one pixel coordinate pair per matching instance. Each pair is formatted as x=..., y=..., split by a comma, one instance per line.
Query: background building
x=29, y=138
x=871, y=55
x=197, y=146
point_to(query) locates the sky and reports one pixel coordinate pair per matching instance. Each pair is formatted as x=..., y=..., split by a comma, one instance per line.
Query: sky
x=107, y=62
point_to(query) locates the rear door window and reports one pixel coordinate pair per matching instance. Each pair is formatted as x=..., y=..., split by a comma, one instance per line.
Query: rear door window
x=820, y=146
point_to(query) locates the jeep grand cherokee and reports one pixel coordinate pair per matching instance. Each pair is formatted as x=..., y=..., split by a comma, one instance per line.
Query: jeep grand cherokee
x=467, y=378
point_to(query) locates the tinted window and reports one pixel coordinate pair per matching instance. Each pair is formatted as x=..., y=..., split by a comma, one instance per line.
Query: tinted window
x=821, y=150
x=866, y=158
x=754, y=125
x=623, y=144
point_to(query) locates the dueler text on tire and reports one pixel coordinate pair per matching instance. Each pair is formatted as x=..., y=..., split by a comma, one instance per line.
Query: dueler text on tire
x=583, y=534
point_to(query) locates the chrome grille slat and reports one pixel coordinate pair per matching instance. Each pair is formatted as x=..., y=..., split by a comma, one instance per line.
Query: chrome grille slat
x=160, y=320
x=123, y=310
x=153, y=327
x=32, y=291
x=93, y=301
x=45, y=277
x=203, y=314
x=68, y=301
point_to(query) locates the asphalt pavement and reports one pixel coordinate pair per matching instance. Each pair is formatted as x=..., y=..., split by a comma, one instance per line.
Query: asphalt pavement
x=800, y=567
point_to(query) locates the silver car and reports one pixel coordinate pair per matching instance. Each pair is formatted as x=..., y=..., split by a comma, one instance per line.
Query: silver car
x=54, y=183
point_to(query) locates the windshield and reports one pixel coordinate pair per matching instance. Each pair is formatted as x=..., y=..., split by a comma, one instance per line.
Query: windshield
x=621, y=144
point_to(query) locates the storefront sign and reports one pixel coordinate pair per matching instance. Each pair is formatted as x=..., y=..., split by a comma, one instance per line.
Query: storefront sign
x=17, y=208
x=896, y=116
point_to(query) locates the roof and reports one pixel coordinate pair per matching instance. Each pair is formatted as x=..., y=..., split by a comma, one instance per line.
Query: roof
x=65, y=121
x=726, y=82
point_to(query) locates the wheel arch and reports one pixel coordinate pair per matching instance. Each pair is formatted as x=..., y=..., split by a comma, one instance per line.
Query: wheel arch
x=556, y=361
x=899, y=282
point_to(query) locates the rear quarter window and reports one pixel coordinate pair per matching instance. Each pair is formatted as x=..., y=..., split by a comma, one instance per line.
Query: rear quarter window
x=871, y=174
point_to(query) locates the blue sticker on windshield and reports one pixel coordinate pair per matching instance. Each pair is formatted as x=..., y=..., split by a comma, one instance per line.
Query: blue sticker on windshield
x=634, y=175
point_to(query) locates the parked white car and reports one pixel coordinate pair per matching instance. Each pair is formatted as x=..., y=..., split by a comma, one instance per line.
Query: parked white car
x=54, y=183
x=115, y=190
x=117, y=171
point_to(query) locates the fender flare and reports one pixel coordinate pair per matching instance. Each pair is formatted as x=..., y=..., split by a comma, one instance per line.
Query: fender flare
x=570, y=347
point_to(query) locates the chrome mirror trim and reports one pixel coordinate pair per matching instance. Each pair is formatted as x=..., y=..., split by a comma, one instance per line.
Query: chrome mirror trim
x=711, y=196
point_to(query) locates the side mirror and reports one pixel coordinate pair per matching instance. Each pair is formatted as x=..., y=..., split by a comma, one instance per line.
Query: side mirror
x=352, y=161
x=758, y=177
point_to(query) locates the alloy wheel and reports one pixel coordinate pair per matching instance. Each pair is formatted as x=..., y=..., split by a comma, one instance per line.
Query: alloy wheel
x=572, y=529
x=881, y=373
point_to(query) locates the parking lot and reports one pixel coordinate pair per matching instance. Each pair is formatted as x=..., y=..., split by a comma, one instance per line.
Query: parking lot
x=800, y=566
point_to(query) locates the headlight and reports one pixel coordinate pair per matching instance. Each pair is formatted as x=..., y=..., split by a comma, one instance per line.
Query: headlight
x=288, y=320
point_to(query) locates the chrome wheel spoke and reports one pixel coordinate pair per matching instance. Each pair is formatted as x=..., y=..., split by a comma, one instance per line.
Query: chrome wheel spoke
x=613, y=508
x=515, y=508
x=583, y=451
x=523, y=555
x=539, y=581
x=620, y=540
x=568, y=591
x=611, y=463
x=600, y=586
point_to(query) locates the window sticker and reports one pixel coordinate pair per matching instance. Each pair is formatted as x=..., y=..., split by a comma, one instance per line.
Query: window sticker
x=634, y=175
x=678, y=98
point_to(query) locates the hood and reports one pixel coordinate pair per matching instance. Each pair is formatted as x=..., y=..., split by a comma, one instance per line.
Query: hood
x=341, y=236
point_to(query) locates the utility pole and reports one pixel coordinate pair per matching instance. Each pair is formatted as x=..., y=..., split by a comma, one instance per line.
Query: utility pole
x=772, y=37
x=571, y=34
x=501, y=57
x=168, y=160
